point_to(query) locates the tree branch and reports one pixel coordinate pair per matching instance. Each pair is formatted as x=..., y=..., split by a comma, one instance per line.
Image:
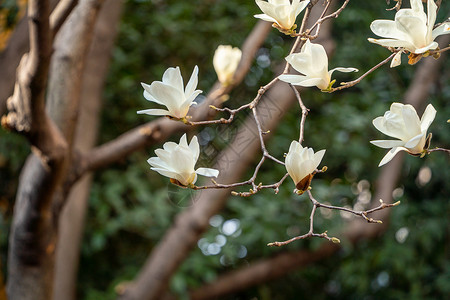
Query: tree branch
x=283, y=263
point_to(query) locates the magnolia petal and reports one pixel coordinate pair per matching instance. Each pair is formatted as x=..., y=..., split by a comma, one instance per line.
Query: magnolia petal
x=431, y=12
x=413, y=26
x=387, y=144
x=319, y=57
x=390, y=155
x=183, y=160
x=284, y=16
x=195, y=147
x=416, y=5
x=183, y=141
x=340, y=69
x=164, y=156
x=318, y=157
x=304, y=81
x=169, y=146
x=266, y=7
x=172, y=77
x=266, y=18
x=301, y=62
x=393, y=43
x=380, y=124
x=208, y=172
x=415, y=141
x=147, y=94
x=411, y=120
x=192, y=84
x=155, y=112
x=307, y=167
x=396, y=60
x=165, y=172
x=431, y=46
x=167, y=94
x=157, y=162
x=292, y=79
x=440, y=30
x=300, y=6
x=427, y=118
x=386, y=29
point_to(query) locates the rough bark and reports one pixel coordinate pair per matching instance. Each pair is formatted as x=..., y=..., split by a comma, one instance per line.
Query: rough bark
x=166, y=257
x=34, y=227
x=18, y=45
x=73, y=214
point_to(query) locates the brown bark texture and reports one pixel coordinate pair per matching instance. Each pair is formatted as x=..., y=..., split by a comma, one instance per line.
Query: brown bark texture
x=34, y=227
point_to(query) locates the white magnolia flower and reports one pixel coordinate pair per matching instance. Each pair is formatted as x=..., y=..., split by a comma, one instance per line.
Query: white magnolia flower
x=225, y=61
x=301, y=164
x=312, y=61
x=171, y=93
x=177, y=161
x=282, y=13
x=411, y=30
x=403, y=123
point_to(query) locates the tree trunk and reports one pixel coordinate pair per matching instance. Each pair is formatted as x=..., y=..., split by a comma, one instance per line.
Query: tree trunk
x=73, y=214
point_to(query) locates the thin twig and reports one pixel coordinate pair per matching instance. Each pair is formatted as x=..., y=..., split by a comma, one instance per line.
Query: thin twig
x=438, y=149
x=345, y=85
x=324, y=235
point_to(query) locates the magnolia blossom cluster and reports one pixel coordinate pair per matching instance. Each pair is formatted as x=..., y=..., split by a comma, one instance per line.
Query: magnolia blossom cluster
x=412, y=30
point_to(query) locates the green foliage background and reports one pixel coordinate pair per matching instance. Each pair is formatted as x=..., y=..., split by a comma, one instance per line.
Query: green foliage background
x=131, y=207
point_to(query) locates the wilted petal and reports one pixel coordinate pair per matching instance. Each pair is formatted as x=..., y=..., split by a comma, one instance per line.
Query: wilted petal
x=396, y=60
x=208, y=172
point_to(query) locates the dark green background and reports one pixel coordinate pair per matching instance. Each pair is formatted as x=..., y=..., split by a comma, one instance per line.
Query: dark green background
x=127, y=217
